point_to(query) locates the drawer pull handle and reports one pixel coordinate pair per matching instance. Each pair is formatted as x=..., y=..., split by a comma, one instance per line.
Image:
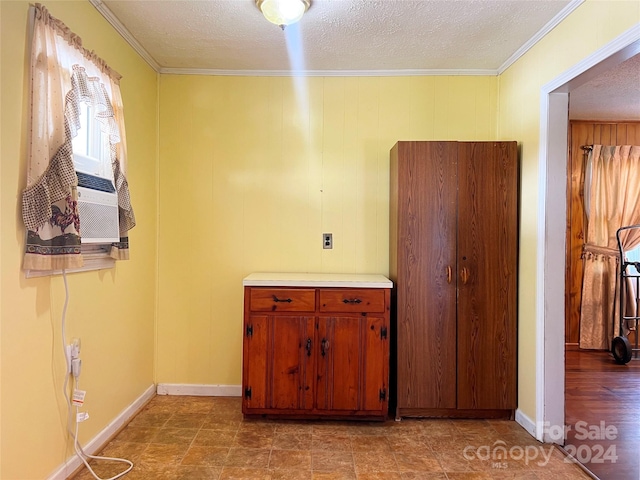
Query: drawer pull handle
x=276, y=299
x=449, y=274
x=308, y=348
x=324, y=346
x=352, y=301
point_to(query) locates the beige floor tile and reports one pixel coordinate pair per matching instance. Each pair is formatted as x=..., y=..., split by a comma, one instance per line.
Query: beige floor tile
x=290, y=460
x=256, y=439
x=189, y=472
x=331, y=461
x=423, y=476
x=258, y=426
x=150, y=418
x=515, y=475
x=331, y=428
x=205, y=456
x=185, y=420
x=214, y=438
x=160, y=454
x=447, y=443
x=370, y=443
x=134, y=434
x=469, y=476
x=221, y=422
x=417, y=462
x=198, y=438
x=455, y=462
x=409, y=443
x=370, y=462
x=201, y=405
x=339, y=442
x=379, y=476
x=292, y=441
x=294, y=426
x=337, y=475
x=178, y=436
x=248, y=458
x=163, y=403
x=290, y=474
x=372, y=428
x=239, y=473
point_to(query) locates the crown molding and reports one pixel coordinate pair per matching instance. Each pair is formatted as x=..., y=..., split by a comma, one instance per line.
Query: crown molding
x=329, y=73
x=553, y=23
x=130, y=39
x=126, y=34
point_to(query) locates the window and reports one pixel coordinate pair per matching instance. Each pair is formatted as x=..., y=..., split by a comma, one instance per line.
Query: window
x=91, y=146
x=76, y=134
x=633, y=256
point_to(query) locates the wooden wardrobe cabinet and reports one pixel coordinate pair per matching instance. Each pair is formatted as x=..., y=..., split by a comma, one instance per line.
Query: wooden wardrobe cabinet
x=453, y=261
x=320, y=351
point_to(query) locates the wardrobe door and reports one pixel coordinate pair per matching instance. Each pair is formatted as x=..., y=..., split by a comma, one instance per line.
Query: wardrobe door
x=487, y=276
x=423, y=201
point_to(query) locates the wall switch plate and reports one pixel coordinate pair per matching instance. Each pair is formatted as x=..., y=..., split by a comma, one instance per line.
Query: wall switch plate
x=327, y=240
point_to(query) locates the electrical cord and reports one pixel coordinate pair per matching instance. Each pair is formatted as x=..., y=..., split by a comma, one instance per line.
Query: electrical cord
x=76, y=384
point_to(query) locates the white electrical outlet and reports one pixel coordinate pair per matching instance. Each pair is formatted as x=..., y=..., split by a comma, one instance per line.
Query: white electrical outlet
x=75, y=348
x=67, y=352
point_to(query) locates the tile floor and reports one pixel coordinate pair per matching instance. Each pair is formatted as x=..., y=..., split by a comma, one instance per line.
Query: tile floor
x=194, y=438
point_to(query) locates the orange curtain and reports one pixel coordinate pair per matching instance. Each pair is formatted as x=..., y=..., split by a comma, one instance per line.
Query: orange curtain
x=612, y=200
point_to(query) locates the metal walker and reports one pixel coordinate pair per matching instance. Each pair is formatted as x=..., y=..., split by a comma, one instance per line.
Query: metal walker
x=621, y=347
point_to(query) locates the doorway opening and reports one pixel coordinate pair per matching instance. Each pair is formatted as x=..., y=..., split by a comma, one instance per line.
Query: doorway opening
x=550, y=302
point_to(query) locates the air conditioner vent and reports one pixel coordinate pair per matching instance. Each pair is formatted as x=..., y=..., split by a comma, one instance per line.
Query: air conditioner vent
x=98, y=213
x=95, y=183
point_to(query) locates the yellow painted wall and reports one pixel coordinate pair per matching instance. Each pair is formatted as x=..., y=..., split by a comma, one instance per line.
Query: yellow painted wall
x=593, y=25
x=252, y=173
x=112, y=311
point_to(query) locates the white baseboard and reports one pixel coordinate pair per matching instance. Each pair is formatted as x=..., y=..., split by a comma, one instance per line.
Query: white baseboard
x=199, y=390
x=109, y=431
x=525, y=422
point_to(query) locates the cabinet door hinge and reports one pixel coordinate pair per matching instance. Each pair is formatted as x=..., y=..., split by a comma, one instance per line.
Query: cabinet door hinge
x=249, y=330
x=383, y=332
x=383, y=394
x=247, y=392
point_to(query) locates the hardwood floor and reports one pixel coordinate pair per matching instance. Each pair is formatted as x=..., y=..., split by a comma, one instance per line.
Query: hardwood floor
x=602, y=409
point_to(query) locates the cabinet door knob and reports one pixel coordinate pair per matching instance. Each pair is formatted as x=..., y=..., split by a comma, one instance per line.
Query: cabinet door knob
x=308, y=347
x=449, y=274
x=324, y=346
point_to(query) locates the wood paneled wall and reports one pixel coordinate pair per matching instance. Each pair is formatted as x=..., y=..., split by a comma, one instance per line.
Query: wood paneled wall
x=584, y=133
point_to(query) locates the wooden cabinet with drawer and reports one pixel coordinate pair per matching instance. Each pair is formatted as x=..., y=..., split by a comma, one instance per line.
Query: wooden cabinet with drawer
x=316, y=352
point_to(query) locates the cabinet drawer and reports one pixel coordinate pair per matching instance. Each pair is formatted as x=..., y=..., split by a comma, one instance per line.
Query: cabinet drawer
x=352, y=300
x=283, y=300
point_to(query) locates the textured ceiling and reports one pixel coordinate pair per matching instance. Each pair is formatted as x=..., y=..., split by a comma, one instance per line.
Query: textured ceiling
x=613, y=96
x=336, y=35
x=362, y=37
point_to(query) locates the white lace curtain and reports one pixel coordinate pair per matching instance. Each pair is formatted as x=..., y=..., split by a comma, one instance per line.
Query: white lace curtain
x=63, y=75
x=612, y=200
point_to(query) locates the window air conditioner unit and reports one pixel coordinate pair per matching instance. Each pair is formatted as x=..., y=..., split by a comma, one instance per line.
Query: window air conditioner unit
x=97, y=206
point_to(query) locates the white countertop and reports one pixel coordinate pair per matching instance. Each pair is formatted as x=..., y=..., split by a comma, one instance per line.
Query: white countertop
x=316, y=280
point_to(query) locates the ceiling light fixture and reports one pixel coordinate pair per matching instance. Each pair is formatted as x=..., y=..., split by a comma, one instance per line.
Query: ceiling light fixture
x=283, y=12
